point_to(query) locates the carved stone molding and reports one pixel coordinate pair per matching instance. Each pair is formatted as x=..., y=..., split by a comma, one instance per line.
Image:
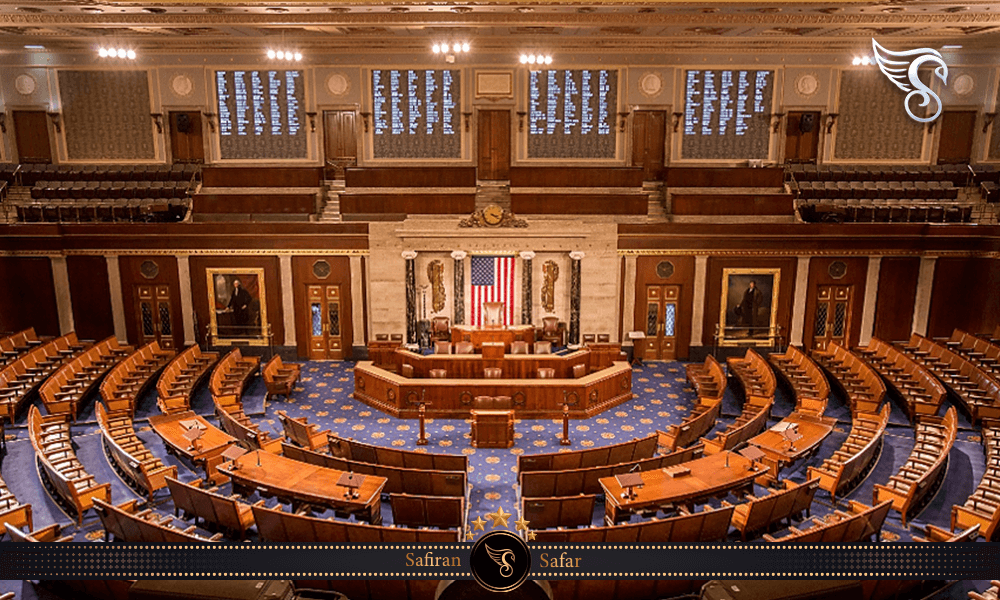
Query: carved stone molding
x=476, y=219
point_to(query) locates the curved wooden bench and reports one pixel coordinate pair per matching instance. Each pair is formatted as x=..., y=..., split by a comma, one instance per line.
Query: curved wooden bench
x=127, y=454
x=130, y=523
x=394, y=457
x=978, y=390
x=441, y=512
x=280, y=527
x=919, y=389
x=984, y=353
x=52, y=533
x=708, y=525
x=180, y=377
x=64, y=391
x=862, y=384
x=308, y=435
x=29, y=370
x=234, y=421
x=938, y=535
x=858, y=524
x=62, y=470
x=753, y=373
x=759, y=514
x=924, y=469
x=225, y=512
x=280, y=379
x=614, y=454
x=806, y=379
x=17, y=344
x=232, y=373
x=127, y=379
x=851, y=461
x=13, y=513
x=753, y=420
x=708, y=379
x=982, y=508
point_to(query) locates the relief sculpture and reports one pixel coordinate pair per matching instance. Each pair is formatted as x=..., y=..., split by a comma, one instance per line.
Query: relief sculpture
x=435, y=274
x=551, y=271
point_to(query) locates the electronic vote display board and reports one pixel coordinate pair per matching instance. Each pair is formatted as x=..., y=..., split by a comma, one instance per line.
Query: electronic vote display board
x=416, y=113
x=572, y=112
x=261, y=114
x=727, y=113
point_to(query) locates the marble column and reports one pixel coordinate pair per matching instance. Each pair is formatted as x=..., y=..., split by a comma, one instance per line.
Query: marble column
x=357, y=307
x=458, y=290
x=922, y=303
x=117, y=303
x=574, y=297
x=628, y=306
x=411, y=296
x=698, y=308
x=187, y=298
x=287, y=298
x=871, y=297
x=526, y=262
x=64, y=301
x=799, y=301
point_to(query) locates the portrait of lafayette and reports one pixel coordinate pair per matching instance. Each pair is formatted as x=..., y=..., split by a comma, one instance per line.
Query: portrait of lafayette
x=237, y=300
x=749, y=304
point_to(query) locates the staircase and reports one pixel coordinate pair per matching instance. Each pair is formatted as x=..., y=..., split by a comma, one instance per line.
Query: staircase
x=331, y=210
x=15, y=194
x=657, y=201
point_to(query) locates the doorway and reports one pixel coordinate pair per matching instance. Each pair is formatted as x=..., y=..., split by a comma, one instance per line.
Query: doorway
x=833, y=316
x=340, y=141
x=802, y=137
x=494, y=145
x=31, y=135
x=326, y=340
x=958, y=127
x=152, y=314
x=186, y=142
x=661, y=322
x=649, y=129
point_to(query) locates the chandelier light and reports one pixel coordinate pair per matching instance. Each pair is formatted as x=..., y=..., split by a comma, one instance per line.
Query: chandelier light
x=286, y=55
x=536, y=59
x=112, y=52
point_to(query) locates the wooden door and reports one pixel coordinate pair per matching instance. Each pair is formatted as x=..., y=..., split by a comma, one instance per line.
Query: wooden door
x=832, y=322
x=649, y=130
x=340, y=140
x=661, y=322
x=186, y=142
x=326, y=338
x=957, y=130
x=153, y=313
x=494, y=145
x=31, y=134
x=802, y=137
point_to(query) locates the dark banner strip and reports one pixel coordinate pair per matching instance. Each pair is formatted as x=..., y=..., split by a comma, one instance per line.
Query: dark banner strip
x=549, y=561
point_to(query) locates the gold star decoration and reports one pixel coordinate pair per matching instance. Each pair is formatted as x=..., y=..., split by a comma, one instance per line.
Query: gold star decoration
x=468, y=535
x=521, y=524
x=479, y=524
x=499, y=517
x=531, y=535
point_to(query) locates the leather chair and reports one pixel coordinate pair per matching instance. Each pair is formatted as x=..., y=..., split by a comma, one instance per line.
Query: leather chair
x=553, y=331
x=579, y=371
x=442, y=347
x=493, y=314
x=492, y=373
x=519, y=347
x=438, y=374
x=406, y=370
x=491, y=403
x=589, y=338
x=543, y=347
x=603, y=338
x=464, y=348
x=546, y=373
x=441, y=328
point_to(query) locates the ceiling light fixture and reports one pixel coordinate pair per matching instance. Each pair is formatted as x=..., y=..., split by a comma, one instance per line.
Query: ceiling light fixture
x=446, y=48
x=287, y=55
x=112, y=52
x=532, y=59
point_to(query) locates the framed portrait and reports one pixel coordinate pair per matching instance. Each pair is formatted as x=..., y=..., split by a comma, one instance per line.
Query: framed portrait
x=237, y=306
x=749, y=313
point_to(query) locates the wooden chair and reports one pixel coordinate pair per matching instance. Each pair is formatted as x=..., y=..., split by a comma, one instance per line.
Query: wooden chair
x=553, y=331
x=280, y=379
x=441, y=329
x=226, y=512
x=52, y=533
x=303, y=433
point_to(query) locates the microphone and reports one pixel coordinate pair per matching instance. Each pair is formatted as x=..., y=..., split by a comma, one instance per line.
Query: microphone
x=634, y=469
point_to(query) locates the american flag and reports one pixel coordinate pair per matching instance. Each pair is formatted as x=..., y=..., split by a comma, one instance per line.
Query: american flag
x=492, y=281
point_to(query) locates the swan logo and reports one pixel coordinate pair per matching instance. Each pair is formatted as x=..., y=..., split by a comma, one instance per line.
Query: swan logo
x=500, y=561
x=500, y=557
x=903, y=69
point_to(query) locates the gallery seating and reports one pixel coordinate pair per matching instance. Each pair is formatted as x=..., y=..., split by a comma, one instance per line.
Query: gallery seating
x=139, y=210
x=302, y=433
x=280, y=379
x=277, y=526
x=586, y=480
x=232, y=419
x=213, y=508
x=129, y=522
x=921, y=392
x=753, y=373
x=753, y=419
x=13, y=513
x=180, y=377
x=938, y=535
x=30, y=369
x=982, y=352
x=982, y=508
x=860, y=523
x=978, y=391
x=52, y=533
x=560, y=511
x=393, y=457
x=128, y=455
x=708, y=379
x=851, y=462
x=127, y=379
x=920, y=476
x=31, y=173
x=62, y=472
x=807, y=380
x=760, y=514
x=14, y=345
x=631, y=450
x=862, y=384
x=427, y=511
x=232, y=373
x=707, y=525
x=64, y=391
x=959, y=173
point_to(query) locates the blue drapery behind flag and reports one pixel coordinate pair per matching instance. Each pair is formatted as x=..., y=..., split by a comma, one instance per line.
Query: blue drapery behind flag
x=492, y=281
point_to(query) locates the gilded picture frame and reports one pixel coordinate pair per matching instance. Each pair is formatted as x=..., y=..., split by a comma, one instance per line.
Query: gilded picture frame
x=237, y=306
x=748, y=313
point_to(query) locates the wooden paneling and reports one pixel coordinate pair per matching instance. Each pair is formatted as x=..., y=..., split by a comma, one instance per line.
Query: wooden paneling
x=964, y=296
x=272, y=288
x=88, y=286
x=713, y=290
x=340, y=137
x=958, y=128
x=411, y=177
x=724, y=177
x=31, y=135
x=412, y=204
x=131, y=276
x=579, y=204
x=603, y=177
x=897, y=288
x=494, y=144
x=649, y=129
x=255, y=203
x=683, y=276
x=28, y=296
x=819, y=274
x=262, y=177
x=302, y=276
x=186, y=142
x=802, y=136
x=732, y=204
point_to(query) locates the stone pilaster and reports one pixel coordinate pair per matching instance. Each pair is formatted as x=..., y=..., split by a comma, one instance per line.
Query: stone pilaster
x=411, y=296
x=574, y=297
x=526, y=262
x=458, y=292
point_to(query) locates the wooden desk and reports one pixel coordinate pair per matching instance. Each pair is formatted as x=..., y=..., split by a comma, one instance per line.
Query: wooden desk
x=513, y=366
x=492, y=428
x=779, y=451
x=708, y=477
x=206, y=451
x=304, y=484
x=506, y=335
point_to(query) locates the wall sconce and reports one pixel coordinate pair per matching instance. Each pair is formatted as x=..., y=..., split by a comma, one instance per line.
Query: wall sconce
x=776, y=121
x=312, y=121
x=364, y=120
x=158, y=121
x=3, y=122
x=987, y=121
x=520, y=120
x=468, y=119
x=677, y=120
x=623, y=116
x=831, y=120
x=54, y=116
x=211, y=121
